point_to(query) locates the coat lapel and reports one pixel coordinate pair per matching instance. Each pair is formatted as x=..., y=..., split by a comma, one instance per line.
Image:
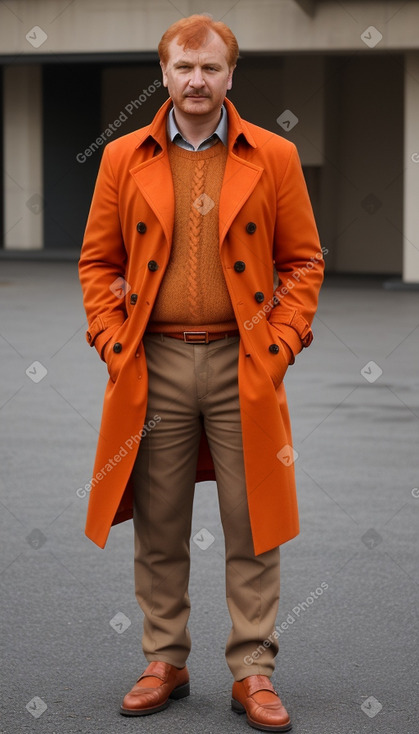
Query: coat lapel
x=240, y=179
x=240, y=176
x=154, y=180
x=153, y=176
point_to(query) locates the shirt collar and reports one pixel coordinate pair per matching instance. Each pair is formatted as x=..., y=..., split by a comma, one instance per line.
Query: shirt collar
x=221, y=130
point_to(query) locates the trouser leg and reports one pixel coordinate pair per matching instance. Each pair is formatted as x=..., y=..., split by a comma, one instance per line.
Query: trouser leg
x=186, y=380
x=252, y=582
x=164, y=481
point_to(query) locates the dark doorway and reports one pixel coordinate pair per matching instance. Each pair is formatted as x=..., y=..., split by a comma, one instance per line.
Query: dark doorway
x=72, y=118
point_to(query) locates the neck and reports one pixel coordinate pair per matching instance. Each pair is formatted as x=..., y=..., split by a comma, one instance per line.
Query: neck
x=196, y=128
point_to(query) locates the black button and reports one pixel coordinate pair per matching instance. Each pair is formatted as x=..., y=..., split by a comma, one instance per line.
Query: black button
x=117, y=347
x=274, y=349
x=141, y=227
x=259, y=297
x=251, y=227
x=239, y=266
x=133, y=298
x=152, y=265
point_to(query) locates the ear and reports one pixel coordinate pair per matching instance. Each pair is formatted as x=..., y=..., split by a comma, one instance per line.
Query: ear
x=163, y=68
x=230, y=78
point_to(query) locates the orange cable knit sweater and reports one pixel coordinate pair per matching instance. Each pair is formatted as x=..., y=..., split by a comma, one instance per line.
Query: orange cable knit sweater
x=193, y=294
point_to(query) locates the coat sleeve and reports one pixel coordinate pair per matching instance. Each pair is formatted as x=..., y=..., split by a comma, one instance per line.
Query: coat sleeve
x=103, y=260
x=298, y=259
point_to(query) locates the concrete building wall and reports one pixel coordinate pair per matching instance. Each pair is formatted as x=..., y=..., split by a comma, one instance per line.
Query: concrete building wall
x=272, y=25
x=22, y=175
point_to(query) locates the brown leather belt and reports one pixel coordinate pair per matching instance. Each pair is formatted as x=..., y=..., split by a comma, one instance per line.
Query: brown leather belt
x=201, y=337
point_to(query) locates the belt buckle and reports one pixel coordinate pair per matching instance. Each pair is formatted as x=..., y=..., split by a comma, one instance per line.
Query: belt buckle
x=201, y=337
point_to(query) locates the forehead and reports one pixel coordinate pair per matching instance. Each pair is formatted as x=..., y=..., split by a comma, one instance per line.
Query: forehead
x=212, y=49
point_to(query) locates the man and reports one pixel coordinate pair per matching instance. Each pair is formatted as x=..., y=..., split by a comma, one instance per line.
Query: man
x=188, y=217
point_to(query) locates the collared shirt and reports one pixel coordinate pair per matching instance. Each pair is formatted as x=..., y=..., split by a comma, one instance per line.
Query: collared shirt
x=220, y=133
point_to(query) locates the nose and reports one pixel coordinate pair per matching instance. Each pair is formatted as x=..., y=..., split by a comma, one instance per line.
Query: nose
x=196, y=79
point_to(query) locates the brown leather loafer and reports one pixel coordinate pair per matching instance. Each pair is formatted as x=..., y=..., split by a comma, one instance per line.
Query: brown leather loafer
x=256, y=696
x=151, y=693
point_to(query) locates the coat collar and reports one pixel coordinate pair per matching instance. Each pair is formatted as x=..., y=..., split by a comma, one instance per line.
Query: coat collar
x=157, y=129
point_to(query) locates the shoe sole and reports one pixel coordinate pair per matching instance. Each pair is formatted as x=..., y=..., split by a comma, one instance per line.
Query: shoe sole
x=238, y=708
x=176, y=694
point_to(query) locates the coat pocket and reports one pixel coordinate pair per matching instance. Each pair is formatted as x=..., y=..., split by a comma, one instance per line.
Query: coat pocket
x=115, y=352
x=277, y=363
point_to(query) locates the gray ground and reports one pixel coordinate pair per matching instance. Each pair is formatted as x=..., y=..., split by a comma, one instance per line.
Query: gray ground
x=348, y=660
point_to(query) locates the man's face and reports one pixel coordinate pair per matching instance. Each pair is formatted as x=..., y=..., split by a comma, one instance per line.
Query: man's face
x=198, y=79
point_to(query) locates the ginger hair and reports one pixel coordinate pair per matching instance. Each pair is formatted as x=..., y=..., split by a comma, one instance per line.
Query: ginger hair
x=192, y=32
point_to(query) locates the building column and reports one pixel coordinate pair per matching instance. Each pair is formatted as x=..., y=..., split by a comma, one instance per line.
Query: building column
x=411, y=170
x=23, y=184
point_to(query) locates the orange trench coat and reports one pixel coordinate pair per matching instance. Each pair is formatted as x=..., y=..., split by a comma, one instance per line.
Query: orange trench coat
x=128, y=236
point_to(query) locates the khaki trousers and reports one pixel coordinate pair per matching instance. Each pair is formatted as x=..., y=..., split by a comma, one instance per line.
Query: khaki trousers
x=190, y=383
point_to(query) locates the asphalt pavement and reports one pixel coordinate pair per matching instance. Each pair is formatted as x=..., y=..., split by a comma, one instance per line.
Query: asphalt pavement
x=348, y=618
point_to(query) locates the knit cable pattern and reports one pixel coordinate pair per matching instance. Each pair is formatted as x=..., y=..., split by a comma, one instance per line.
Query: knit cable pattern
x=196, y=216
